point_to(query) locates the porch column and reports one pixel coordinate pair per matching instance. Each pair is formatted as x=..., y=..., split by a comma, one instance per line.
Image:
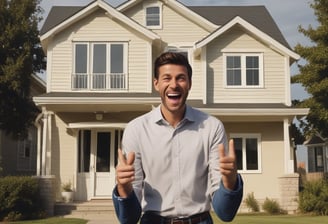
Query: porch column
x=289, y=158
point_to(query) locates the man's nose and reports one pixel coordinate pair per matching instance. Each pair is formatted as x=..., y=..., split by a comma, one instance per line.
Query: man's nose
x=173, y=83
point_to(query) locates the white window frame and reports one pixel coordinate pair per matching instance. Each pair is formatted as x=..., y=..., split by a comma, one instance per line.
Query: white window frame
x=178, y=48
x=90, y=59
x=243, y=70
x=160, y=6
x=245, y=136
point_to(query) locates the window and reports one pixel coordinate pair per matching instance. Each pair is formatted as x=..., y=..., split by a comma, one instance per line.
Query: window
x=318, y=151
x=153, y=16
x=248, y=152
x=244, y=70
x=84, y=149
x=181, y=50
x=100, y=66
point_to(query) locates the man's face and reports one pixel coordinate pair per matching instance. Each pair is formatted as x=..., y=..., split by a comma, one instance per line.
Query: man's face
x=173, y=86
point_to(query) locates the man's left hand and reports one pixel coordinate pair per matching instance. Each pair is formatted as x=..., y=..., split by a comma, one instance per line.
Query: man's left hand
x=228, y=167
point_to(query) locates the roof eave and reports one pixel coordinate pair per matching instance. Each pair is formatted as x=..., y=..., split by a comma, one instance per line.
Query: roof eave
x=272, y=43
x=89, y=10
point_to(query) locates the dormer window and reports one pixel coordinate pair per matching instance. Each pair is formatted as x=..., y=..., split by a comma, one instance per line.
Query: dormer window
x=153, y=17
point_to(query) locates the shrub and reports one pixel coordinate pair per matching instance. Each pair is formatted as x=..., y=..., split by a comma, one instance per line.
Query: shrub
x=252, y=203
x=314, y=197
x=19, y=198
x=272, y=207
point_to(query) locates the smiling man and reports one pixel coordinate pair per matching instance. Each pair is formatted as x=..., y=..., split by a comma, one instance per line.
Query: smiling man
x=177, y=164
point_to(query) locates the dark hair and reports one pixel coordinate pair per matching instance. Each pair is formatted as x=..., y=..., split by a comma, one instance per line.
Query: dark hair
x=172, y=58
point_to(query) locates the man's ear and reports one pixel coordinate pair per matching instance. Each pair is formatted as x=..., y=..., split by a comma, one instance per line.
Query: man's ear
x=156, y=84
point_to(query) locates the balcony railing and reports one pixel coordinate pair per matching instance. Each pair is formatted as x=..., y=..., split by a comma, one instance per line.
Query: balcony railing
x=99, y=81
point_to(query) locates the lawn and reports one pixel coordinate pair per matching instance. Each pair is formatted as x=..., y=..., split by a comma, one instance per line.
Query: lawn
x=240, y=219
x=53, y=221
x=281, y=219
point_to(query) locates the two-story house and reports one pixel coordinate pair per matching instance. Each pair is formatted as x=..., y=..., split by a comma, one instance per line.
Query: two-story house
x=99, y=77
x=18, y=156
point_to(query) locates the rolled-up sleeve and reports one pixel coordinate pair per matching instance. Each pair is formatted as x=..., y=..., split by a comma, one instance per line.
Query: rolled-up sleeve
x=226, y=203
x=128, y=210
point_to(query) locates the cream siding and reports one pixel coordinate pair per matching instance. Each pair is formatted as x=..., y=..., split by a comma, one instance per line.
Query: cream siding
x=237, y=41
x=272, y=157
x=99, y=27
x=180, y=32
x=63, y=153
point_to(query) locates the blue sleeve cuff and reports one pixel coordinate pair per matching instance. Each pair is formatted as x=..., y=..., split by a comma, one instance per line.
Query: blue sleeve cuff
x=128, y=210
x=226, y=202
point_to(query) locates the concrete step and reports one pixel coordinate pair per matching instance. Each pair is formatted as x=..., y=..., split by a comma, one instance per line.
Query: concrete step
x=93, y=206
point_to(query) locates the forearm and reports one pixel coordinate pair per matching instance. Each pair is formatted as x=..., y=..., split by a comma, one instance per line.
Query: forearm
x=128, y=210
x=226, y=203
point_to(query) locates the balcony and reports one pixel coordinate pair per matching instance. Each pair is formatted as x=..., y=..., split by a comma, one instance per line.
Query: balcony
x=99, y=81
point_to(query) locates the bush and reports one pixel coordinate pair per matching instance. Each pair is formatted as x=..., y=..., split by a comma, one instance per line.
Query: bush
x=19, y=198
x=272, y=207
x=314, y=197
x=252, y=203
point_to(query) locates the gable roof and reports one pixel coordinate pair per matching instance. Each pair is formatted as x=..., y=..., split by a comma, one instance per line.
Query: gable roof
x=210, y=17
x=255, y=31
x=59, y=20
x=180, y=8
x=258, y=16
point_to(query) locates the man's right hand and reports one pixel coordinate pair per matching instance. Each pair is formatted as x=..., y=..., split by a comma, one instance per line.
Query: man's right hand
x=125, y=173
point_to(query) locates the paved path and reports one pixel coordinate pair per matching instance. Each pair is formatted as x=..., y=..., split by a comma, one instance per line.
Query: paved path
x=97, y=218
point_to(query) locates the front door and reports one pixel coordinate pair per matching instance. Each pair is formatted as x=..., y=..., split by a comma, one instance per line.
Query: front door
x=102, y=163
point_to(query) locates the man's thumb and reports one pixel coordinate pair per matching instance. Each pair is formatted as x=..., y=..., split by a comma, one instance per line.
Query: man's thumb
x=130, y=159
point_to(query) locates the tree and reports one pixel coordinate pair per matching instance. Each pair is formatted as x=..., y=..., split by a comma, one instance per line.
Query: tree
x=20, y=56
x=314, y=74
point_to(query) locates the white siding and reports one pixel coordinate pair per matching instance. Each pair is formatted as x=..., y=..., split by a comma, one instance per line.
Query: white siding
x=235, y=40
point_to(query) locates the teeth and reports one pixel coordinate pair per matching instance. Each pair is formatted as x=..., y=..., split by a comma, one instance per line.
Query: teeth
x=173, y=94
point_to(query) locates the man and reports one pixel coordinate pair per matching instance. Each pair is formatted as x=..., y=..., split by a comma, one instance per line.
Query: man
x=174, y=163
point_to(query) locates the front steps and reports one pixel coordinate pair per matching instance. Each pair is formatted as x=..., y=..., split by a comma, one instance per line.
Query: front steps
x=90, y=210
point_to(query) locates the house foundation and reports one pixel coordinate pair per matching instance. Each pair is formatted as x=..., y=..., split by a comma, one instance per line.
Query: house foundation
x=47, y=193
x=289, y=188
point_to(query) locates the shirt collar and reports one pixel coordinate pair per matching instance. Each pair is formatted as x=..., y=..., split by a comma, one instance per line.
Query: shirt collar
x=158, y=117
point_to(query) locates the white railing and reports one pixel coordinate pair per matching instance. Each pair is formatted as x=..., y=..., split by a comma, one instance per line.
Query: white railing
x=99, y=81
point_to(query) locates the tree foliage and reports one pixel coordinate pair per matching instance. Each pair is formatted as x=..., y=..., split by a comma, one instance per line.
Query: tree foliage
x=314, y=74
x=20, y=56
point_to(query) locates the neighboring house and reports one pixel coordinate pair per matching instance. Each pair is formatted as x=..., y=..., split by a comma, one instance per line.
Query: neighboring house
x=18, y=157
x=317, y=154
x=99, y=77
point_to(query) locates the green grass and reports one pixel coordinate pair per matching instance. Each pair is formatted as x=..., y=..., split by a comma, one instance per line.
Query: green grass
x=239, y=219
x=275, y=219
x=54, y=220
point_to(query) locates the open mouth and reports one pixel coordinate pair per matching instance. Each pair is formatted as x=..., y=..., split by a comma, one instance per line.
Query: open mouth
x=174, y=96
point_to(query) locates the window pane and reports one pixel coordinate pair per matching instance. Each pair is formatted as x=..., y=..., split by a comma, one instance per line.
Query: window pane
x=116, y=58
x=252, y=62
x=238, y=142
x=103, y=152
x=99, y=58
x=252, y=77
x=152, y=16
x=234, y=77
x=233, y=62
x=81, y=57
x=84, y=150
x=252, y=70
x=251, y=154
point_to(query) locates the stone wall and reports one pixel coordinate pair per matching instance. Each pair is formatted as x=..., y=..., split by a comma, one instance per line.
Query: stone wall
x=289, y=188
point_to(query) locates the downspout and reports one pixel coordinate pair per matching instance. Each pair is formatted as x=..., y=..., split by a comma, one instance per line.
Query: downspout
x=37, y=124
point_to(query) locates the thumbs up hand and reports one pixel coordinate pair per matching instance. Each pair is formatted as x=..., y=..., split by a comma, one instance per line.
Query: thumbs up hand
x=125, y=173
x=228, y=167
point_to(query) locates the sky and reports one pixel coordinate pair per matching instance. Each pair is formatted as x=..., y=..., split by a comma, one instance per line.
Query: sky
x=288, y=14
